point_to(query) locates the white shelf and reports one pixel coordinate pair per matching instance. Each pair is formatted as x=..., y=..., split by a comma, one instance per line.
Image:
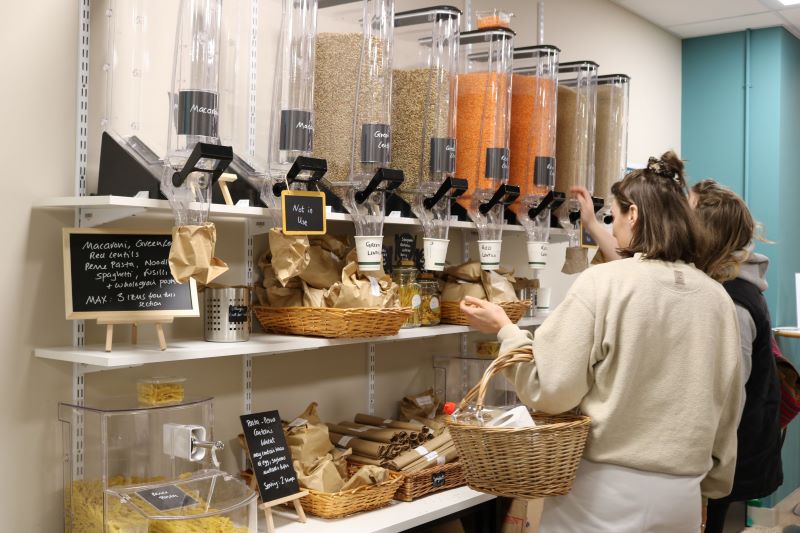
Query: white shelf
x=97, y=210
x=128, y=355
x=398, y=516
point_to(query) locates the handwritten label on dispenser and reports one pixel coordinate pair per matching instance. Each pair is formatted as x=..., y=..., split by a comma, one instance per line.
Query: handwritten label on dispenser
x=303, y=212
x=544, y=171
x=443, y=154
x=497, y=163
x=197, y=113
x=167, y=497
x=376, y=140
x=269, y=455
x=297, y=130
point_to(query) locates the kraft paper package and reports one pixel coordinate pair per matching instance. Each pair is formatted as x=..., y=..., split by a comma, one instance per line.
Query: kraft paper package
x=192, y=254
x=599, y=258
x=326, y=474
x=371, y=449
x=366, y=476
x=499, y=288
x=290, y=254
x=278, y=295
x=458, y=290
x=323, y=270
x=465, y=272
x=384, y=435
x=577, y=260
x=419, y=406
x=361, y=290
x=338, y=246
x=320, y=297
x=307, y=436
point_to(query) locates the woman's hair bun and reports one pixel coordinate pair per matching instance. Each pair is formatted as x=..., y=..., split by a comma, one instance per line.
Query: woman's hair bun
x=668, y=166
x=673, y=163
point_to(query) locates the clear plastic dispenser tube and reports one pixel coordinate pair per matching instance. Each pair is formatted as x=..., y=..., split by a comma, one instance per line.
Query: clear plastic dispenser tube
x=533, y=144
x=291, y=133
x=424, y=95
x=193, y=110
x=575, y=130
x=611, y=145
x=482, y=133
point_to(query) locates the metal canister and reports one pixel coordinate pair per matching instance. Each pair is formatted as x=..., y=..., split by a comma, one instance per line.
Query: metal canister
x=226, y=314
x=528, y=293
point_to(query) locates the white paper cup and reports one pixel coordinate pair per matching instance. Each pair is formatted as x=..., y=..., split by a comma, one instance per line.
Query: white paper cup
x=435, y=253
x=537, y=255
x=543, y=300
x=369, y=252
x=490, y=254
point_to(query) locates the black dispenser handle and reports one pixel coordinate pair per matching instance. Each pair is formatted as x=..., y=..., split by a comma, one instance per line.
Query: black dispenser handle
x=223, y=155
x=534, y=212
x=451, y=187
x=316, y=167
x=505, y=194
x=390, y=177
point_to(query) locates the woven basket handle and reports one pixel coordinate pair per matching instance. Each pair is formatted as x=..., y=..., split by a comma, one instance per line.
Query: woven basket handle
x=514, y=357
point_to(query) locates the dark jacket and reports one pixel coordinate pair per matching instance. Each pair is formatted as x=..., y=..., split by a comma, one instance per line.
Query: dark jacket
x=759, y=470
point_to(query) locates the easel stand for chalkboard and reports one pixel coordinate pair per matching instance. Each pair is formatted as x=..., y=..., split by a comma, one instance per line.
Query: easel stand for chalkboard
x=109, y=323
x=294, y=498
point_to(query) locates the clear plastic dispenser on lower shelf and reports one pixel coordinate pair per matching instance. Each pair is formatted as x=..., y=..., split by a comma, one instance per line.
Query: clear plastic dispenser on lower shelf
x=142, y=469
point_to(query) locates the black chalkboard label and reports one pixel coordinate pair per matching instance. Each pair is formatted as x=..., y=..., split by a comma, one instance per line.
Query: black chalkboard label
x=438, y=479
x=197, y=113
x=497, y=163
x=443, y=154
x=237, y=314
x=544, y=171
x=303, y=213
x=118, y=273
x=386, y=254
x=270, y=456
x=297, y=131
x=405, y=246
x=376, y=141
x=167, y=498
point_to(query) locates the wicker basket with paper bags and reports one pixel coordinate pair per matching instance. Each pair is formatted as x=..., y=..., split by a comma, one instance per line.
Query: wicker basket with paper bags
x=469, y=280
x=312, y=286
x=519, y=462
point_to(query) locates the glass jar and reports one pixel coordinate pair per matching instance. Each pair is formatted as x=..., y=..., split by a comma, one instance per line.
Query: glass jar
x=430, y=313
x=405, y=275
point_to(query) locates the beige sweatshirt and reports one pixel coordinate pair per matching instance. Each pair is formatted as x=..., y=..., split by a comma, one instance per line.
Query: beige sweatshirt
x=650, y=351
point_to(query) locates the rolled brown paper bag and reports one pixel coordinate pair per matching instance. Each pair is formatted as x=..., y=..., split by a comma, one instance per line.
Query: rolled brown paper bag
x=398, y=436
x=388, y=422
x=376, y=435
x=577, y=260
x=192, y=254
x=444, y=456
x=361, y=460
x=411, y=456
x=366, y=448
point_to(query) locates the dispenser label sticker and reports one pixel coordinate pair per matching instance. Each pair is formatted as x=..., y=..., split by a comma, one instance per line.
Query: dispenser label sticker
x=297, y=131
x=443, y=155
x=167, y=498
x=375, y=287
x=544, y=171
x=197, y=113
x=237, y=314
x=376, y=142
x=497, y=163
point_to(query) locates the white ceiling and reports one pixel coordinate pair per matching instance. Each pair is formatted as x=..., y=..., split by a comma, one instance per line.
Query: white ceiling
x=694, y=18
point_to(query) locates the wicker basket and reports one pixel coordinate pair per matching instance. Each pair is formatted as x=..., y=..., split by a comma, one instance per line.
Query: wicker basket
x=331, y=322
x=451, y=312
x=339, y=504
x=525, y=463
x=418, y=484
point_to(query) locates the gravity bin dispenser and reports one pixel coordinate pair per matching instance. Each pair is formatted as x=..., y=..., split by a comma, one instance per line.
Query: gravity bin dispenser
x=352, y=111
x=577, y=101
x=149, y=468
x=423, y=121
x=533, y=145
x=291, y=133
x=195, y=158
x=611, y=144
x=482, y=134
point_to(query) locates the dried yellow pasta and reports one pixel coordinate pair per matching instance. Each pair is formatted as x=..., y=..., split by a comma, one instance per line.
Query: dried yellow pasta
x=160, y=391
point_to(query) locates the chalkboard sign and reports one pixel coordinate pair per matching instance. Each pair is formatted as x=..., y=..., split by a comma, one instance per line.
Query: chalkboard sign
x=167, y=498
x=110, y=273
x=405, y=246
x=271, y=458
x=303, y=212
x=237, y=314
x=386, y=254
x=438, y=479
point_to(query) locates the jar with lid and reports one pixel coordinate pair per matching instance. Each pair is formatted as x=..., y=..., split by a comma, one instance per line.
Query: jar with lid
x=405, y=275
x=430, y=312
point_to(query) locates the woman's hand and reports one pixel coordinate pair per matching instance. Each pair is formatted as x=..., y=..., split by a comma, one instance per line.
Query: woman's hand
x=484, y=316
x=588, y=218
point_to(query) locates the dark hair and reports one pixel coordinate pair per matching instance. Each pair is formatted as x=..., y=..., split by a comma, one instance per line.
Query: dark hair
x=728, y=227
x=666, y=229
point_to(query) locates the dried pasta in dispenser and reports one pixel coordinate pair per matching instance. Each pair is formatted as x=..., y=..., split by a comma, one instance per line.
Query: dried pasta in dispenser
x=160, y=390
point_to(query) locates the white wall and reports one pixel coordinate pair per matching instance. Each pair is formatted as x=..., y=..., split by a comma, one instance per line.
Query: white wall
x=39, y=57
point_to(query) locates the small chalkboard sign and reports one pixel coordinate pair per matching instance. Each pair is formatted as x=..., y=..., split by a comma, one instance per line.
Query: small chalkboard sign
x=115, y=273
x=270, y=456
x=167, y=497
x=386, y=255
x=303, y=212
x=438, y=479
x=405, y=246
x=237, y=314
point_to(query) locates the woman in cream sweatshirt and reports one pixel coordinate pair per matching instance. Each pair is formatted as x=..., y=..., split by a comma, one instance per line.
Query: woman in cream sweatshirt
x=648, y=347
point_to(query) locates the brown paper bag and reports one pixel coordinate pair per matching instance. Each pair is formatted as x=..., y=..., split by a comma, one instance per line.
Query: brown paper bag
x=307, y=436
x=336, y=245
x=599, y=258
x=457, y=291
x=320, y=297
x=577, y=260
x=374, y=450
x=525, y=283
x=498, y=287
x=290, y=255
x=465, y=272
x=424, y=405
x=192, y=254
x=366, y=476
x=321, y=474
x=323, y=270
x=362, y=290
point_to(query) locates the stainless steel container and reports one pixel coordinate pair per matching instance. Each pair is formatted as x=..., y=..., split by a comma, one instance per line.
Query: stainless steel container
x=528, y=294
x=226, y=314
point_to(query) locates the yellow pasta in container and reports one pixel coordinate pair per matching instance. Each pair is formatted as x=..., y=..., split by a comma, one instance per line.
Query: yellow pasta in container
x=160, y=390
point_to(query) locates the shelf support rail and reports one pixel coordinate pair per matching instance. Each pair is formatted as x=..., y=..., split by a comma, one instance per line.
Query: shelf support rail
x=371, y=378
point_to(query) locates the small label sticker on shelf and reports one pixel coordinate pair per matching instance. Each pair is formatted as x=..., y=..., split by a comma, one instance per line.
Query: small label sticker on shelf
x=422, y=450
x=431, y=456
x=424, y=400
x=344, y=441
x=374, y=286
x=167, y=498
